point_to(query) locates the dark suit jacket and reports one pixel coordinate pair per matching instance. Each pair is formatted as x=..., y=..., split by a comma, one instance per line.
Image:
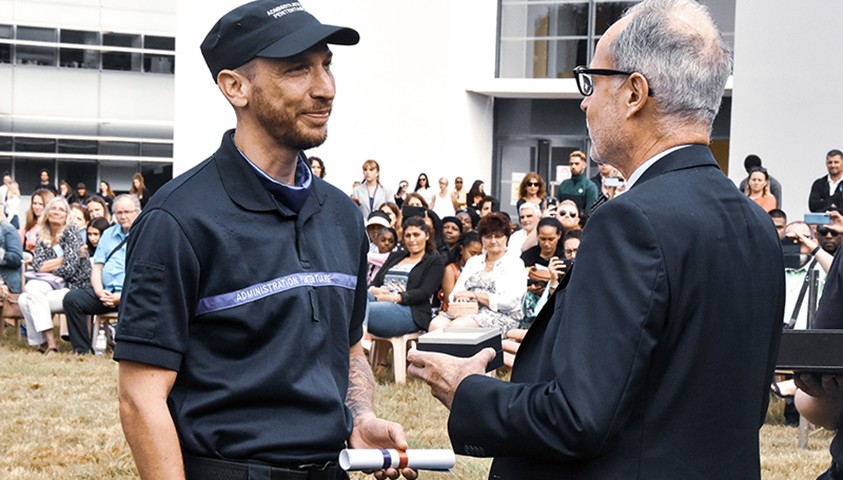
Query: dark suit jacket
x=819, y=200
x=656, y=361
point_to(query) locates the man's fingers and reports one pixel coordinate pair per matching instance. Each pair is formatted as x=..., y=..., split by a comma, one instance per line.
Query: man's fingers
x=517, y=334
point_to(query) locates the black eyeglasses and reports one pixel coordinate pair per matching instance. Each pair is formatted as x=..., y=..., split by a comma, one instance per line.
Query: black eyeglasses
x=827, y=231
x=532, y=184
x=586, y=84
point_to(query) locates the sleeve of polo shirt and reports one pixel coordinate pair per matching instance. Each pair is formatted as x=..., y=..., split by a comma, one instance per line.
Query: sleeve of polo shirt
x=358, y=314
x=159, y=292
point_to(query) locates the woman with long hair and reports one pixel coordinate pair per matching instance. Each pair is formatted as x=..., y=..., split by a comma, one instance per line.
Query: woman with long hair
x=532, y=189
x=423, y=189
x=395, y=218
x=97, y=207
x=757, y=188
x=106, y=193
x=139, y=189
x=370, y=194
x=13, y=204
x=95, y=228
x=495, y=281
x=64, y=189
x=57, y=252
x=475, y=194
x=29, y=232
x=399, y=298
x=317, y=166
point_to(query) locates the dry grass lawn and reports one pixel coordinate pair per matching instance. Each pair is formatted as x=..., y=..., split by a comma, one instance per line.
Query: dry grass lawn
x=59, y=421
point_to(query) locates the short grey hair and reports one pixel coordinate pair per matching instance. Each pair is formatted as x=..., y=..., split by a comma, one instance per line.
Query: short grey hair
x=132, y=198
x=676, y=45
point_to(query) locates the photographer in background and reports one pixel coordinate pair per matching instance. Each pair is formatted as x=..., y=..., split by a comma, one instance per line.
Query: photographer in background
x=820, y=396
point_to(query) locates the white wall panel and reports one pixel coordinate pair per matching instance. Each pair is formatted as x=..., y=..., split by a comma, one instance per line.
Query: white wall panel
x=62, y=93
x=71, y=14
x=137, y=97
x=787, y=94
x=6, y=79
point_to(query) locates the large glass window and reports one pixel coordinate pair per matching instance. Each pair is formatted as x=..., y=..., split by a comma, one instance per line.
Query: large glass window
x=121, y=60
x=34, y=144
x=37, y=54
x=542, y=39
x=75, y=57
x=548, y=38
x=5, y=48
x=76, y=171
x=131, y=149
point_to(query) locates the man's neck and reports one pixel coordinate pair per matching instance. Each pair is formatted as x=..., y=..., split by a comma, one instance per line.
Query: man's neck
x=835, y=178
x=654, y=145
x=276, y=160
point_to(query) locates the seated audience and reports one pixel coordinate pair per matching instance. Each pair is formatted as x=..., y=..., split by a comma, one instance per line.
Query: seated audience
x=468, y=246
x=385, y=241
x=103, y=292
x=451, y=230
x=79, y=217
x=465, y=218
x=57, y=252
x=415, y=200
x=400, y=295
x=95, y=228
x=29, y=232
x=495, y=281
x=488, y=204
x=98, y=207
x=11, y=256
x=529, y=213
x=374, y=223
x=395, y=218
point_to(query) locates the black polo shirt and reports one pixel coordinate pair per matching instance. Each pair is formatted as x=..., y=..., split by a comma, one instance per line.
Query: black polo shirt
x=254, y=305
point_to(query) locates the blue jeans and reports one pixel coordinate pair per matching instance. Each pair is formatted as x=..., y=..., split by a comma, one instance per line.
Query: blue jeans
x=387, y=319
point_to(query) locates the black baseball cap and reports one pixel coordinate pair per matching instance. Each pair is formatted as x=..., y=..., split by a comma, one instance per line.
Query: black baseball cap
x=268, y=29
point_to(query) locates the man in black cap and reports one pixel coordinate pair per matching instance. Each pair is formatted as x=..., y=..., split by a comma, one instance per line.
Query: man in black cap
x=239, y=339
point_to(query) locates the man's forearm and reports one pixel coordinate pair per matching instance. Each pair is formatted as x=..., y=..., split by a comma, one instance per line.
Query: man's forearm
x=361, y=384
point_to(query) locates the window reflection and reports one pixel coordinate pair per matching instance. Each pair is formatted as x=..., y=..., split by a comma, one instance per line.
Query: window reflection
x=548, y=38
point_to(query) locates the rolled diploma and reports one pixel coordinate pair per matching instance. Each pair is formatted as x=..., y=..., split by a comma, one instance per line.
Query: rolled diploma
x=374, y=459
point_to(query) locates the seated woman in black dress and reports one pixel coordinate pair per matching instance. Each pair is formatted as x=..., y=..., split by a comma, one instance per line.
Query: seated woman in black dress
x=399, y=298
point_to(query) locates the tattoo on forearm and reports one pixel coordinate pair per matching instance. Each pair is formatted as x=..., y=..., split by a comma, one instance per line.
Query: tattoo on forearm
x=361, y=387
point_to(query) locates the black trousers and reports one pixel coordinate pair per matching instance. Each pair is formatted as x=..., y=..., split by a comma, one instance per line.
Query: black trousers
x=78, y=304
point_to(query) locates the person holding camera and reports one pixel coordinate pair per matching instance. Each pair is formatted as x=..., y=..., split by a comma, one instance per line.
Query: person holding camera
x=820, y=396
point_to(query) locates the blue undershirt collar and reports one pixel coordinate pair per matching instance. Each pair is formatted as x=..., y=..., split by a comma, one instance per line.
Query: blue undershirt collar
x=292, y=196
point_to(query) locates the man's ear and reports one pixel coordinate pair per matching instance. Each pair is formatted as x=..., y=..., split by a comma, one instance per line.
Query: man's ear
x=235, y=86
x=638, y=93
